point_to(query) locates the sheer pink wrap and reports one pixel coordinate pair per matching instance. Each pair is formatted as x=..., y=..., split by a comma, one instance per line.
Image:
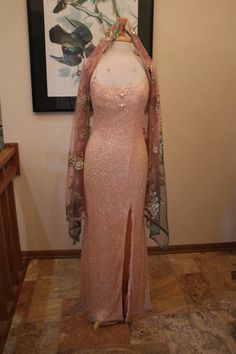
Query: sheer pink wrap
x=155, y=211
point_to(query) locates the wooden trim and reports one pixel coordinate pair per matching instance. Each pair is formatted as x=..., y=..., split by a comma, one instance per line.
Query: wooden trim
x=198, y=247
x=12, y=267
x=6, y=155
x=13, y=147
x=205, y=247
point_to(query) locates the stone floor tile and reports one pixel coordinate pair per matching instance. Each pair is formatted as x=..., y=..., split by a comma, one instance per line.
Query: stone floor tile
x=44, y=310
x=32, y=338
x=219, y=282
x=181, y=265
x=197, y=292
x=194, y=310
x=61, y=267
x=32, y=270
x=148, y=330
x=216, y=261
x=70, y=308
x=77, y=332
x=167, y=295
x=200, y=332
x=24, y=301
x=159, y=266
x=147, y=348
x=54, y=288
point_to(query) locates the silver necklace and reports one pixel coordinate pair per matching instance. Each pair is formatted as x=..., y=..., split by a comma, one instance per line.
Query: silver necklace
x=122, y=91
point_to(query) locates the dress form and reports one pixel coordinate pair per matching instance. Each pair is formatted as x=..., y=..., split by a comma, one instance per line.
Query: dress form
x=117, y=68
x=113, y=163
x=121, y=59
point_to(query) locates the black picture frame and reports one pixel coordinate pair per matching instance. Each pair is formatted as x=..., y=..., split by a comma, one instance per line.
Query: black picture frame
x=43, y=103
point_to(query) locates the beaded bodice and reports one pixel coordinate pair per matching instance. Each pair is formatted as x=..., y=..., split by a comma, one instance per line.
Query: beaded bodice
x=120, y=102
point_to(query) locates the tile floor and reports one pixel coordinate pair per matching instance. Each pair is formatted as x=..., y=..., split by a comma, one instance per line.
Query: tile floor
x=194, y=298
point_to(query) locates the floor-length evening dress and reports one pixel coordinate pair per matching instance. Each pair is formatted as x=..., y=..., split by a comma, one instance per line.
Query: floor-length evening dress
x=114, y=266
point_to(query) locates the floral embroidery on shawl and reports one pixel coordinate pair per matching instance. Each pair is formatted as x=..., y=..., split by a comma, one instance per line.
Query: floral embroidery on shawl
x=155, y=211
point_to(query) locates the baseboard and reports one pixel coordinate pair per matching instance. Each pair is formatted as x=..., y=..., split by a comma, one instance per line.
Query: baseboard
x=202, y=247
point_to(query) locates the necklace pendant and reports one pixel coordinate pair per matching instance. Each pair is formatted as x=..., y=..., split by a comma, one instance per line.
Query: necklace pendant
x=121, y=93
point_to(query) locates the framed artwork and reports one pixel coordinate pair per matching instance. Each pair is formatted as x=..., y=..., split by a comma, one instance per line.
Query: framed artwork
x=62, y=33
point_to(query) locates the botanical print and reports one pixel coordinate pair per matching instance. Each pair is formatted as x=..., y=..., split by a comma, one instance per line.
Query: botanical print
x=72, y=30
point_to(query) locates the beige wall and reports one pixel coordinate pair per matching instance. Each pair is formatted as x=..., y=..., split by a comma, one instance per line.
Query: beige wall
x=194, y=44
x=196, y=51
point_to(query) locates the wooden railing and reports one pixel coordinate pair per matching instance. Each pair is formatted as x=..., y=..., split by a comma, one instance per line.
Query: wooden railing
x=12, y=268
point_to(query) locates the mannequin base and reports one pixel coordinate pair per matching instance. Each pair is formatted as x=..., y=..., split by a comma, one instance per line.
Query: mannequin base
x=96, y=325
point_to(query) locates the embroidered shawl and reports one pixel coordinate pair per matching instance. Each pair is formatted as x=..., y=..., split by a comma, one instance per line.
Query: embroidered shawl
x=155, y=211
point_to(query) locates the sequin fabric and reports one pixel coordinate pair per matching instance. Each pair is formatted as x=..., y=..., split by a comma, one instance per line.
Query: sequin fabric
x=112, y=170
x=115, y=178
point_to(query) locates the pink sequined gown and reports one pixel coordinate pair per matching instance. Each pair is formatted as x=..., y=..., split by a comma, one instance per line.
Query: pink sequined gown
x=115, y=177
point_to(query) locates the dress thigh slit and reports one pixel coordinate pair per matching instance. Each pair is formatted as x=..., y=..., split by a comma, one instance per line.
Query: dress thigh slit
x=126, y=263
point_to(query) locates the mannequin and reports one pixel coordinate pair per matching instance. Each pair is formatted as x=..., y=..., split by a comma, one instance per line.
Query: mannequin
x=121, y=59
x=120, y=67
x=115, y=179
x=125, y=68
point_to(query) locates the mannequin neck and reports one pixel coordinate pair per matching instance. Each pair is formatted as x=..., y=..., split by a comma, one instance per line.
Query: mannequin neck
x=122, y=48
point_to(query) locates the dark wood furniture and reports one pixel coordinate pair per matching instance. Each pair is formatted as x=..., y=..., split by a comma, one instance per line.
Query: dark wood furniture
x=12, y=267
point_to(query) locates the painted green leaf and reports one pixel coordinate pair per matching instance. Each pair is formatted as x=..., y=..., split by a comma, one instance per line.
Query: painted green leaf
x=81, y=1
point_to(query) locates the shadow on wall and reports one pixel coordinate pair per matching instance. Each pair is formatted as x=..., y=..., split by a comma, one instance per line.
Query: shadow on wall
x=29, y=215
